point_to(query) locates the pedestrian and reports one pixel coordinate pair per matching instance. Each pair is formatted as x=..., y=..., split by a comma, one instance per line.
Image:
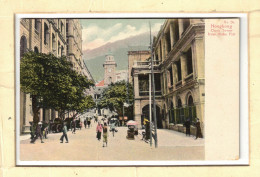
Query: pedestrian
x=38, y=133
x=113, y=128
x=85, y=122
x=198, y=132
x=89, y=122
x=187, y=125
x=105, y=134
x=32, y=129
x=99, y=130
x=80, y=124
x=64, y=133
x=74, y=126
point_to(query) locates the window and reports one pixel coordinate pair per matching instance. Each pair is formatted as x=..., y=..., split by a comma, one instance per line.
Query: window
x=170, y=76
x=143, y=84
x=53, y=43
x=189, y=61
x=168, y=41
x=61, y=27
x=36, y=50
x=46, y=34
x=37, y=25
x=176, y=32
x=171, y=114
x=59, y=48
x=186, y=24
x=62, y=50
x=23, y=46
x=178, y=64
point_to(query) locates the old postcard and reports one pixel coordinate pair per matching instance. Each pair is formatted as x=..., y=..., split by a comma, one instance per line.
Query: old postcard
x=142, y=90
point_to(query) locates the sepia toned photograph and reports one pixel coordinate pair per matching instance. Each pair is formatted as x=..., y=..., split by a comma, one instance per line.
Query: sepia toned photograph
x=114, y=89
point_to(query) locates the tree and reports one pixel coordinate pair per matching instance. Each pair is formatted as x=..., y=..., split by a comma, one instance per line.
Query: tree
x=52, y=83
x=115, y=95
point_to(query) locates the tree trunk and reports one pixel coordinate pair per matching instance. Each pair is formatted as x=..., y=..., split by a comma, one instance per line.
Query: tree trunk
x=35, y=109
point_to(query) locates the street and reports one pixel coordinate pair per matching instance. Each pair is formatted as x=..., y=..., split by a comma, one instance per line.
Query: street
x=83, y=146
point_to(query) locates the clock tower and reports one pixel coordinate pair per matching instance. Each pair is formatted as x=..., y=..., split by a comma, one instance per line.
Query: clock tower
x=109, y=67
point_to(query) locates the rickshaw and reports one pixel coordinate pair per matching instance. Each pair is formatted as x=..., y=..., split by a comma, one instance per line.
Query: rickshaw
x=132, y=130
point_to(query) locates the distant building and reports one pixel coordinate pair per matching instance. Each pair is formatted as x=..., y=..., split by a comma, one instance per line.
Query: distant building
x=121, y=75
x=109, y=69
x=178, y=52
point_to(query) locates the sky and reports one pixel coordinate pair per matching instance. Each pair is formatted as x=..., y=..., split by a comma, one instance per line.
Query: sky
x=97, y=32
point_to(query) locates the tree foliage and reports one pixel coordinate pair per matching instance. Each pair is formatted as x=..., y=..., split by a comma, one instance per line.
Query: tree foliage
x=115, y=95
x=52, y=83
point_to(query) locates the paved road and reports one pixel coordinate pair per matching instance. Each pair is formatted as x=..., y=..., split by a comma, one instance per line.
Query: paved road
x=83, y=146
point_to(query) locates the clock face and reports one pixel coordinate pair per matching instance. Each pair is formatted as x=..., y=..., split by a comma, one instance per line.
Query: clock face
x=109, y=70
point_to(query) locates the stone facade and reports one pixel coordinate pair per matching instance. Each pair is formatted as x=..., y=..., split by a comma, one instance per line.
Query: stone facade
x=135, y=56
x=178, y=52
x=41, y=36
x=56, y=36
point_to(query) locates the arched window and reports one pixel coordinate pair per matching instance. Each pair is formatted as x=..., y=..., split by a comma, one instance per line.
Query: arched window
x=172, y=113
x=190, y=101
x=179, y=105
x=36, y=50
x=191, y=109
x=23, y=46
x=179, y=112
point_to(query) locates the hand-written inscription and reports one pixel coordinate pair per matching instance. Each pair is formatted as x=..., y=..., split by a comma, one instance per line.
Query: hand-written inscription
x=222, y=29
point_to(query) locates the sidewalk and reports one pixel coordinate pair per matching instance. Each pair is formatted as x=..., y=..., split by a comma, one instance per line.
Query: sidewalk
x=84, y=146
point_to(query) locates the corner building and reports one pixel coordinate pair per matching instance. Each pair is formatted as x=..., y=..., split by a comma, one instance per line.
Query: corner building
x=40, y=36
x=178, y=52
x=61, y=37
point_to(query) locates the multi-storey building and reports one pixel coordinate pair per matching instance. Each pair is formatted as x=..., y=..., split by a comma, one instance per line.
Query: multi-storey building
x=61, y=37
x=74, y=44
x=178, y=52
x=40, y=36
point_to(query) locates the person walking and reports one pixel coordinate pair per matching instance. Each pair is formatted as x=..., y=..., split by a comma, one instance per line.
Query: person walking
x=99, y=130
x=105, y=134
x=113, y=127
x=198, y=133
x=85, y=123
x=74, y=126
x=89, y=122
x=38, y=133
x=187, y=125
x=64, y=131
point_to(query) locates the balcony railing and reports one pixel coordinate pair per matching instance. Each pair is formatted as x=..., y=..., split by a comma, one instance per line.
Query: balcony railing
x=146, y=63
x=178, y=84
x=189, y=77
x=146, y=93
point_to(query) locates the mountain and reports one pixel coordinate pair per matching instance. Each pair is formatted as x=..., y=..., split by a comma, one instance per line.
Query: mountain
x=95, y=58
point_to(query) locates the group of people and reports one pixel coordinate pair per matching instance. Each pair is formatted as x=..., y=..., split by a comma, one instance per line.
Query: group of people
x=104, y=128
x=187, y=124
x=38, y=130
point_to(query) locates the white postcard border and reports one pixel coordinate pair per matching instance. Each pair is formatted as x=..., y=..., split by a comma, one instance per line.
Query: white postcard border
x=244, y=114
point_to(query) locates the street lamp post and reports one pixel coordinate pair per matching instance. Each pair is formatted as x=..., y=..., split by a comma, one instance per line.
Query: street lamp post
x=153, y=92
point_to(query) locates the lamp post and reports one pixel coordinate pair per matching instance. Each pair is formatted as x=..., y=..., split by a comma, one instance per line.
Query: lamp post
x=153, y=92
